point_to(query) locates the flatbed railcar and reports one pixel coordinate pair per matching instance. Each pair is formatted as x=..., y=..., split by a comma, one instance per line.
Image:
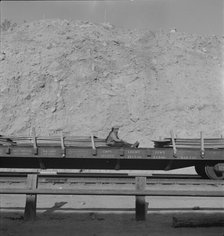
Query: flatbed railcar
x=206, y=155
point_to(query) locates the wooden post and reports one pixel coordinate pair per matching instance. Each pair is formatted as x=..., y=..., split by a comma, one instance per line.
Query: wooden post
x=31, y=199
x=140, y=204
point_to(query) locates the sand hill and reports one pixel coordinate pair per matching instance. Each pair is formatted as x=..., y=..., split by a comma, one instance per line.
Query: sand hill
x=82, y=78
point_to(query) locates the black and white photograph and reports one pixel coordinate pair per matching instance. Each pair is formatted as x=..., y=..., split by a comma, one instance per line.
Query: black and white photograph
x=112, y=118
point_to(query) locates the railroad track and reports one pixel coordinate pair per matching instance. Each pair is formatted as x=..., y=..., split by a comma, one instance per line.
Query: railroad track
x=113, y=179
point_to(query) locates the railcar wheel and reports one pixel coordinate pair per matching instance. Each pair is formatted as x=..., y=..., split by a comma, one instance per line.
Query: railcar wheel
x=200, y=170
x=212, y=173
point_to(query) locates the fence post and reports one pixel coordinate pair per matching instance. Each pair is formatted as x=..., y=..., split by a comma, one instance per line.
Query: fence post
x=140, y=204
x=31, y=199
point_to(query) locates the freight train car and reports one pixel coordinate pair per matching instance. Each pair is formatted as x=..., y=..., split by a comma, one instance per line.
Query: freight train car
x=206, y=155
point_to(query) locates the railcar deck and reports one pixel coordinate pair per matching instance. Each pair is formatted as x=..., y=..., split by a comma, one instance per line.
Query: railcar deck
x=81, y=152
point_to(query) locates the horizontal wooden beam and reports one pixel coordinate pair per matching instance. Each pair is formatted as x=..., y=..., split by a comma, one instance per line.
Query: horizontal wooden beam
x=193, y=139
x=194, y=146
x=114, y=192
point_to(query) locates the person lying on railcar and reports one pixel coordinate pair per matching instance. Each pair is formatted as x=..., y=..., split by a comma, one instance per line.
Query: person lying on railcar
x=113, y=140
x=6, y=141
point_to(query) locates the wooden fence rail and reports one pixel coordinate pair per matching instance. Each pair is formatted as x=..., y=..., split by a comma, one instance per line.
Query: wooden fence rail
x=139, y=192
x=115, y=192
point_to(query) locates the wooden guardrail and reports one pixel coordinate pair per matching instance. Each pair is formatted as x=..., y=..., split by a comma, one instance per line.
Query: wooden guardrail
x=139, y=192
x=114, y=192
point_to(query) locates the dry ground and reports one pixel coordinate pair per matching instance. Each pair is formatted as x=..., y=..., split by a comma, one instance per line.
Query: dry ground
x=98, y=224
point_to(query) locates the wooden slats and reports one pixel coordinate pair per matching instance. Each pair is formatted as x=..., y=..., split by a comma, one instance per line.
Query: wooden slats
x=77, y=141
x=193, y=140
x=209, y=145
x=201, y=143
x=55, y=138
x=115, y=192
x=195, y=146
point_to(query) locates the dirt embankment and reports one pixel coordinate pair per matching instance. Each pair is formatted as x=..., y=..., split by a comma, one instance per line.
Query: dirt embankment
x=83, y=78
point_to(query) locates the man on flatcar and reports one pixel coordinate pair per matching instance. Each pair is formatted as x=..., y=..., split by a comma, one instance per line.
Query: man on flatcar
x=6, y=141
x=113, y=140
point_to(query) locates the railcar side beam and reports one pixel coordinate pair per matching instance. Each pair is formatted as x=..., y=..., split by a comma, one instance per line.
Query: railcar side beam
x=111, y=153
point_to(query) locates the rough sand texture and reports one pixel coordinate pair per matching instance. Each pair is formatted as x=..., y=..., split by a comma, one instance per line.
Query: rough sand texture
x=83, y=78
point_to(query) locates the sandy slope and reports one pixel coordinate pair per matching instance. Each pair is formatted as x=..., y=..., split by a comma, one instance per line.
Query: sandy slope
x=81, y=77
